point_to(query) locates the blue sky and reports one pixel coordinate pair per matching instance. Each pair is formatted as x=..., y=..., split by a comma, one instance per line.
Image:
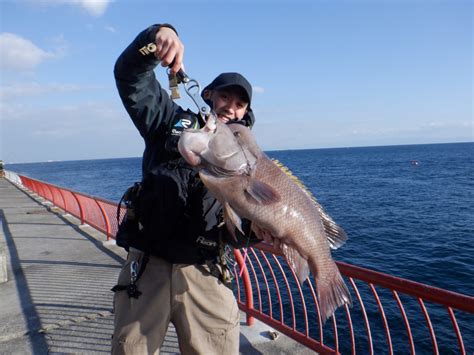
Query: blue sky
x=325, y=73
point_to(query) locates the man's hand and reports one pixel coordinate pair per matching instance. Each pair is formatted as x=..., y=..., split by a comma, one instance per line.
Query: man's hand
x=169, y=49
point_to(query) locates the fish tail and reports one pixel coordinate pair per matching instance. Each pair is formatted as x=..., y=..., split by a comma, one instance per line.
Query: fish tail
x=332, y=292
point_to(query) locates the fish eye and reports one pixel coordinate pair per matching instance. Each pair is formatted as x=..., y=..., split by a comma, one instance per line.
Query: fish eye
x=237, y=134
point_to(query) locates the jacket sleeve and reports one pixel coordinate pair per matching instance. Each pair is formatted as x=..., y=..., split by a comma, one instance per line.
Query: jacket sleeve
x=147, y=103
x=180, y=122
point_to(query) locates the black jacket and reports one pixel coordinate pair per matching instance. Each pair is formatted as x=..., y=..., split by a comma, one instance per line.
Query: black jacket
x=179, y=216
x=148, y=104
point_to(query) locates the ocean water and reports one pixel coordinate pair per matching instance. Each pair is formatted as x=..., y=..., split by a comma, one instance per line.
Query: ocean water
x=414, y=221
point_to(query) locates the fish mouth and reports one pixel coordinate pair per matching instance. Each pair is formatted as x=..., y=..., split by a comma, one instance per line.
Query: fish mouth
x=217, y=171
x=191, y=157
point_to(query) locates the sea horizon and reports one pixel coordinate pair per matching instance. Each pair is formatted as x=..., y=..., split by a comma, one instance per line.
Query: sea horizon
x=266, y=151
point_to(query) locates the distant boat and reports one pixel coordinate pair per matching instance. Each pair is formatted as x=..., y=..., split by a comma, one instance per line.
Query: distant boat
x=414, y=162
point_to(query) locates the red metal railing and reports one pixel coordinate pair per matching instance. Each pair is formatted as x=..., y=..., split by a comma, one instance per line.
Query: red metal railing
x=97, y=212
x=389, y=314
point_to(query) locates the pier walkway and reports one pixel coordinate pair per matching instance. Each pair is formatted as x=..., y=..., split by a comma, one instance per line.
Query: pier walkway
x=55, y=281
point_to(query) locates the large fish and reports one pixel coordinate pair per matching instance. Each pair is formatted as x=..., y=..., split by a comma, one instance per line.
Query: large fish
x=250, y=185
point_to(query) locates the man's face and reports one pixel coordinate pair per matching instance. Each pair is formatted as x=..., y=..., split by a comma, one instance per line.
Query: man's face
x=229, y=104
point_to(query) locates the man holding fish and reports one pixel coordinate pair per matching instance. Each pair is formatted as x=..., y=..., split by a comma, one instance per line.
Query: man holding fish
x=174, y=272
x=173, y=258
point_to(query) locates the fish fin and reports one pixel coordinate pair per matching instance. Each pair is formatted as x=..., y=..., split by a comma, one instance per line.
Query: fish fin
x=261, y=192
x=297, y=262
x=336, y=236
x=231, y=228
x=289, y=173
x=332, y=292
x=232, y=220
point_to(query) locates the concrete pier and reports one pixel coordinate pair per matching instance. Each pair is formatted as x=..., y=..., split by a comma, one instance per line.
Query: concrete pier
x=55, y=281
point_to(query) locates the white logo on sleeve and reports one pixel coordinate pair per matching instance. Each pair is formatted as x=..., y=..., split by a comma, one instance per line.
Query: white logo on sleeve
x=149, y=48
x=183, y=123
x=186, y=123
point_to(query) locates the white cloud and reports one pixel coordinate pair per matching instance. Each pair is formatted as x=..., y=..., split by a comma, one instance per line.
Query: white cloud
x=110, y=29
x=439, y=124
x=258, y=89
x=82, y=130
x=93, y=7
x=20, y=53
x=61, y=46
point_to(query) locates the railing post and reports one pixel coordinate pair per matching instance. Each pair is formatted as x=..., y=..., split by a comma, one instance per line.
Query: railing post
x=43, y=190
x=36, y=187
x=247, y=285
x=106, y=220
x=52, y=195
x=81, y=210
x=64, y=200
x=456, y=330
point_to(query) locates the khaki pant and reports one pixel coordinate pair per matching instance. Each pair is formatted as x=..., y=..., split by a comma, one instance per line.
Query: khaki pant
x=202, y=309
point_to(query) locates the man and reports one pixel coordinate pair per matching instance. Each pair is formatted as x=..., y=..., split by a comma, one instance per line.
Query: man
x=174, y=270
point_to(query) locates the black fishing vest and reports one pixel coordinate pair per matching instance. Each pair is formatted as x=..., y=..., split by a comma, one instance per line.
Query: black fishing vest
x=177, y=215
